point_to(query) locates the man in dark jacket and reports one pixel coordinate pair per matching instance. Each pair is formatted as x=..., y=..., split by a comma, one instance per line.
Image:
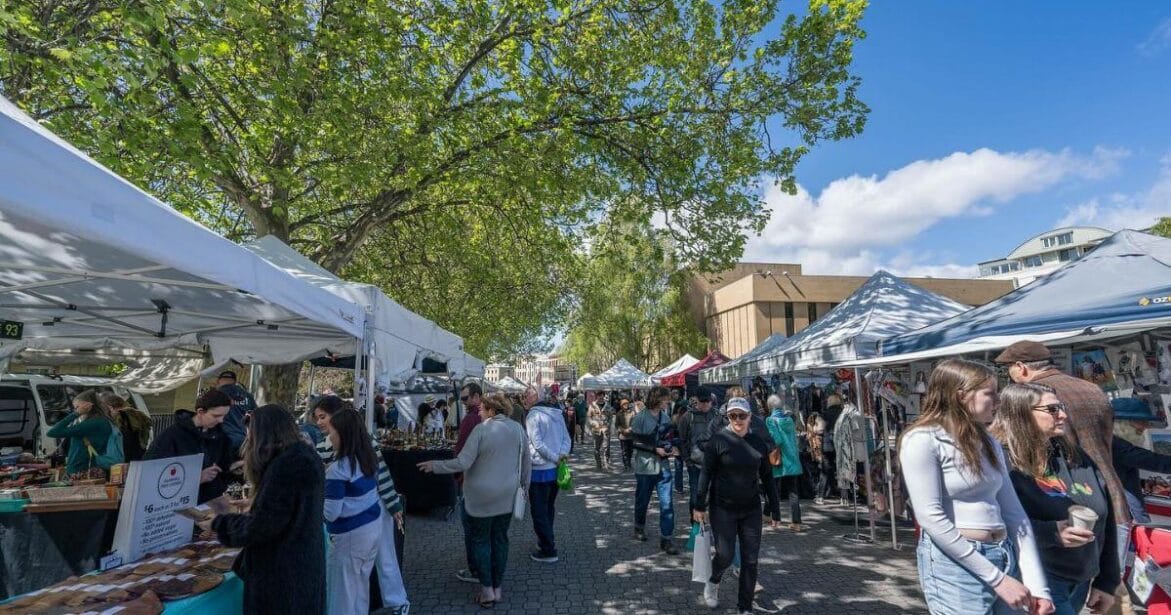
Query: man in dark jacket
x=200, y=432
x=695, y=429
x=242, y=404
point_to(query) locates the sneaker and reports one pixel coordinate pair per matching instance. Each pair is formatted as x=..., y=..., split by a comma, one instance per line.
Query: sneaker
x=537, y=556
x=467, y=576
x=711, y=595
x=668, y=546
x=640, y=534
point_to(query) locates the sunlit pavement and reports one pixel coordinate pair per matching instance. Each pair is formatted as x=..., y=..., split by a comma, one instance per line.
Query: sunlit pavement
x=603, y=570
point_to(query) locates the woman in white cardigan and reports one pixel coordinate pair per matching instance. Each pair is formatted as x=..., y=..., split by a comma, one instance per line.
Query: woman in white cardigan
x=976, y=552
x=494, y=462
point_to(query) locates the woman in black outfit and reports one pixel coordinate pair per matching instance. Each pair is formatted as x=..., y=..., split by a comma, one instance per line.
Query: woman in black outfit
x=283, y=559
x=735, y=471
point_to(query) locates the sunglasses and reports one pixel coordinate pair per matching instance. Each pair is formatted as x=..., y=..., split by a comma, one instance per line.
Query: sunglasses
x=464, y=398
x=737, y=416
x=1051, y=408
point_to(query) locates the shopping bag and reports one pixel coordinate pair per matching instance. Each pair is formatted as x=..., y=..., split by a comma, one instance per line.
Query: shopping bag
x=564, y=476
x=695, y=530
x=701, y=557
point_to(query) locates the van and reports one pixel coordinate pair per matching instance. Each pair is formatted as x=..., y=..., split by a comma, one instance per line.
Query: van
x=30, y=404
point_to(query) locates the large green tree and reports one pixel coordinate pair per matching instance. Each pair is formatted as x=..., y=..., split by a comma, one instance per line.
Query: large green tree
x=631, y=302
x=1162, y=227
x=339, y=124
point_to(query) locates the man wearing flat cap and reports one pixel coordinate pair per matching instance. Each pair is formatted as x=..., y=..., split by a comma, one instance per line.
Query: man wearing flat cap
x=1087, y=407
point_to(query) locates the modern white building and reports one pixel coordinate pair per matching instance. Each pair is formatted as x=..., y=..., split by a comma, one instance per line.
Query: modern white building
x=545, y=370
x=1044, y=253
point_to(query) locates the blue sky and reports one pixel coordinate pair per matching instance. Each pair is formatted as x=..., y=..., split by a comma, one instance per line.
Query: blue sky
x=990, y=122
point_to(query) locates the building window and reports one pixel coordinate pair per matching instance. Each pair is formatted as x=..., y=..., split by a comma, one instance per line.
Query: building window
x=1067, y=254
x=1033, y=261
x=788, y=319
x=811, y=311
x=1065, y=239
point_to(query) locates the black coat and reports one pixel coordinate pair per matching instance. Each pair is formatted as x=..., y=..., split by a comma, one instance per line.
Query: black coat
x=184, y=438
x=283, y=561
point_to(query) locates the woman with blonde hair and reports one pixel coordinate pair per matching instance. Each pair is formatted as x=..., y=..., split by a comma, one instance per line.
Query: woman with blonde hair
x=134, y=425
x=974, y=531
x=1051, y=476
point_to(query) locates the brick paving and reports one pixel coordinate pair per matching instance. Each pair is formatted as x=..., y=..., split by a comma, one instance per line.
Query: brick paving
x=603, y=570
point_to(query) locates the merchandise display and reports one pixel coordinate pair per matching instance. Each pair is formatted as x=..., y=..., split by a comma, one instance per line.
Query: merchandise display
x=135, y=588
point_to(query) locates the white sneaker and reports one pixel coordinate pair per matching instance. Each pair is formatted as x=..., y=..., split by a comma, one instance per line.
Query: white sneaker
x=711, y=595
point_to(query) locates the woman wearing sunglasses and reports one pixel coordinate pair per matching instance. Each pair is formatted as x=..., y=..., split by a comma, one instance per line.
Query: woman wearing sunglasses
x=977, y=543
x=735, y=471
x=1051, y=474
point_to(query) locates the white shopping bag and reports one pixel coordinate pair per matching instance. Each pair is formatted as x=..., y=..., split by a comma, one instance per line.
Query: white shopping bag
x=701, y=557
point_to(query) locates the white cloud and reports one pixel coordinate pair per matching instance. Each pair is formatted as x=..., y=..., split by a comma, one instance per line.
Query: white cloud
x=842, y=229
x=1159, y=39
x=1134, y=211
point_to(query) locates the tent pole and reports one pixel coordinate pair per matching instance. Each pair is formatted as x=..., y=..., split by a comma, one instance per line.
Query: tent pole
x=312, y=377
x=890, y=483
x=369, y=400
x=866, y=458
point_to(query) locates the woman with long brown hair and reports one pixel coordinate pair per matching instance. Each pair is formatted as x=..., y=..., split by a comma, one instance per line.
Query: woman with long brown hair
x=88, y=430
x=353, y=513
x=282, y=534
x=974, y=531
x=1051, y=476
x=134, y=425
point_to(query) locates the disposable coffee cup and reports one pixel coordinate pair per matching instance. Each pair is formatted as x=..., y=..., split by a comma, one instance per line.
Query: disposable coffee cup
x=1082, y=517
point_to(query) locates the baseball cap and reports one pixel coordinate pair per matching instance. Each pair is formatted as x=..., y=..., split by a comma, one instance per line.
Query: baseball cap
x=738, y=403
x=1024, y=352
x=228, y=374
x=703, y=395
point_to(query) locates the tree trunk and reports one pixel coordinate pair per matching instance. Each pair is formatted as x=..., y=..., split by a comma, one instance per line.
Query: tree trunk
x=278, y=385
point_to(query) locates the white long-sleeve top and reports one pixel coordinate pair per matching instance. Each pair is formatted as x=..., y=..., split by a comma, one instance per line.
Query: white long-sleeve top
x=947, y=497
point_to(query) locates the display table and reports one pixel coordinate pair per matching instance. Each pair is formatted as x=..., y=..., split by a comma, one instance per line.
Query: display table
x=421, y=492
x=227, y=599
x=40, y=549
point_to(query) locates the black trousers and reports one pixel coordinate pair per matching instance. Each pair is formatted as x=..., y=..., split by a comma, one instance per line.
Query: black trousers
x=728, y=527
x=627, y=452
x=792, y=486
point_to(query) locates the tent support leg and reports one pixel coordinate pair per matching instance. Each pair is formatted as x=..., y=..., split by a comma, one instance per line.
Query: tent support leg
x=866, y=459
x=890, y=484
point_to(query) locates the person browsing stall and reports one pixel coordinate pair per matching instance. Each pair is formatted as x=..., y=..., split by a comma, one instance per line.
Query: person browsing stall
x=200, y=432
x=1053, y=477
x=133, y=423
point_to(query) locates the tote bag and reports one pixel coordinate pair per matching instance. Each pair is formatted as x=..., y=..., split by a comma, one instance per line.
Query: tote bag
x=519, y=503
x=701, y=557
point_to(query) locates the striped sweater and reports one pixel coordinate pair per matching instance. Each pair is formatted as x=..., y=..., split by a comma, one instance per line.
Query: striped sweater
x=386, y=491
x=351, y=498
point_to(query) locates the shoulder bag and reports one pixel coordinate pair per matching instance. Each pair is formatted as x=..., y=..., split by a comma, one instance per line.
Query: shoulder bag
x=520, y=499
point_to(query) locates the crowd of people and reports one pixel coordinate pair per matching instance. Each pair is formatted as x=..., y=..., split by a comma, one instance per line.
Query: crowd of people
x=1019, y=490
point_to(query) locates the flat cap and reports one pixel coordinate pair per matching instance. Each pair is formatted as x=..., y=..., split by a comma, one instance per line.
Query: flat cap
x=1024, y=352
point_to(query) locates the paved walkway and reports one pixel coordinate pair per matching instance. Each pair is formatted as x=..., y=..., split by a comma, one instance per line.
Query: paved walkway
x=602, y=570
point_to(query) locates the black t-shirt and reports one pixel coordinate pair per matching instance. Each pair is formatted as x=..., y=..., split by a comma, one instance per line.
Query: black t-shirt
x=734, y=472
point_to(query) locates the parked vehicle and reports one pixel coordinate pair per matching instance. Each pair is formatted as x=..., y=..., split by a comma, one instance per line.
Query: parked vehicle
x=32, y=403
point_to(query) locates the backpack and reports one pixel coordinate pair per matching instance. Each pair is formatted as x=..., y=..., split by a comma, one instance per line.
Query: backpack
x=113, y=455
x=700, y=434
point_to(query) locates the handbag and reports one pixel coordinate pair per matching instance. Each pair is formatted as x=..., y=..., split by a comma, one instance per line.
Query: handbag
x=774, y=457
x=701, y=557
x=519, y=501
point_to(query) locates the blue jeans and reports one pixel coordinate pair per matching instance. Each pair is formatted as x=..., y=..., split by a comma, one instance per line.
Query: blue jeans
x=950, y=589
x=542, y=497
x=646, y=483
x=1068, y=597
x=490, y=547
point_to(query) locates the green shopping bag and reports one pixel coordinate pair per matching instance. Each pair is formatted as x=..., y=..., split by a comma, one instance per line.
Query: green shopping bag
x=695, y=530
x=564, y=476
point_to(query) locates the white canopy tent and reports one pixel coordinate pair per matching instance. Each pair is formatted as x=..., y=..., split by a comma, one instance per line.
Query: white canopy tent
x=511, y=385
x=681, y=364
x=622, y=376
x=90, y=262
x=400, y=337
x=882, y=307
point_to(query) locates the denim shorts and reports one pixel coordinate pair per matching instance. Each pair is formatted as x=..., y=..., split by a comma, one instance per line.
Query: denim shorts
x=950, y=589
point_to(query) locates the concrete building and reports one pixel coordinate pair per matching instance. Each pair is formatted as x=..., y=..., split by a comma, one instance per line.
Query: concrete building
x=1043, y=254
x=545, y=370
x=741, y=307
x=496, y=372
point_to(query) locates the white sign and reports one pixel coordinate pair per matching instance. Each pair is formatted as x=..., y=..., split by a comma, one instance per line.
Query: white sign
x=154, y=490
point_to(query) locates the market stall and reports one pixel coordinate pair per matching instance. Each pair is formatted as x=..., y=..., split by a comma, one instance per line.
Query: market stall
x=511, y=385
x=623, y=375
x=680, y=364
x=90, y=263
x=730, y=372
x=689, y=376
